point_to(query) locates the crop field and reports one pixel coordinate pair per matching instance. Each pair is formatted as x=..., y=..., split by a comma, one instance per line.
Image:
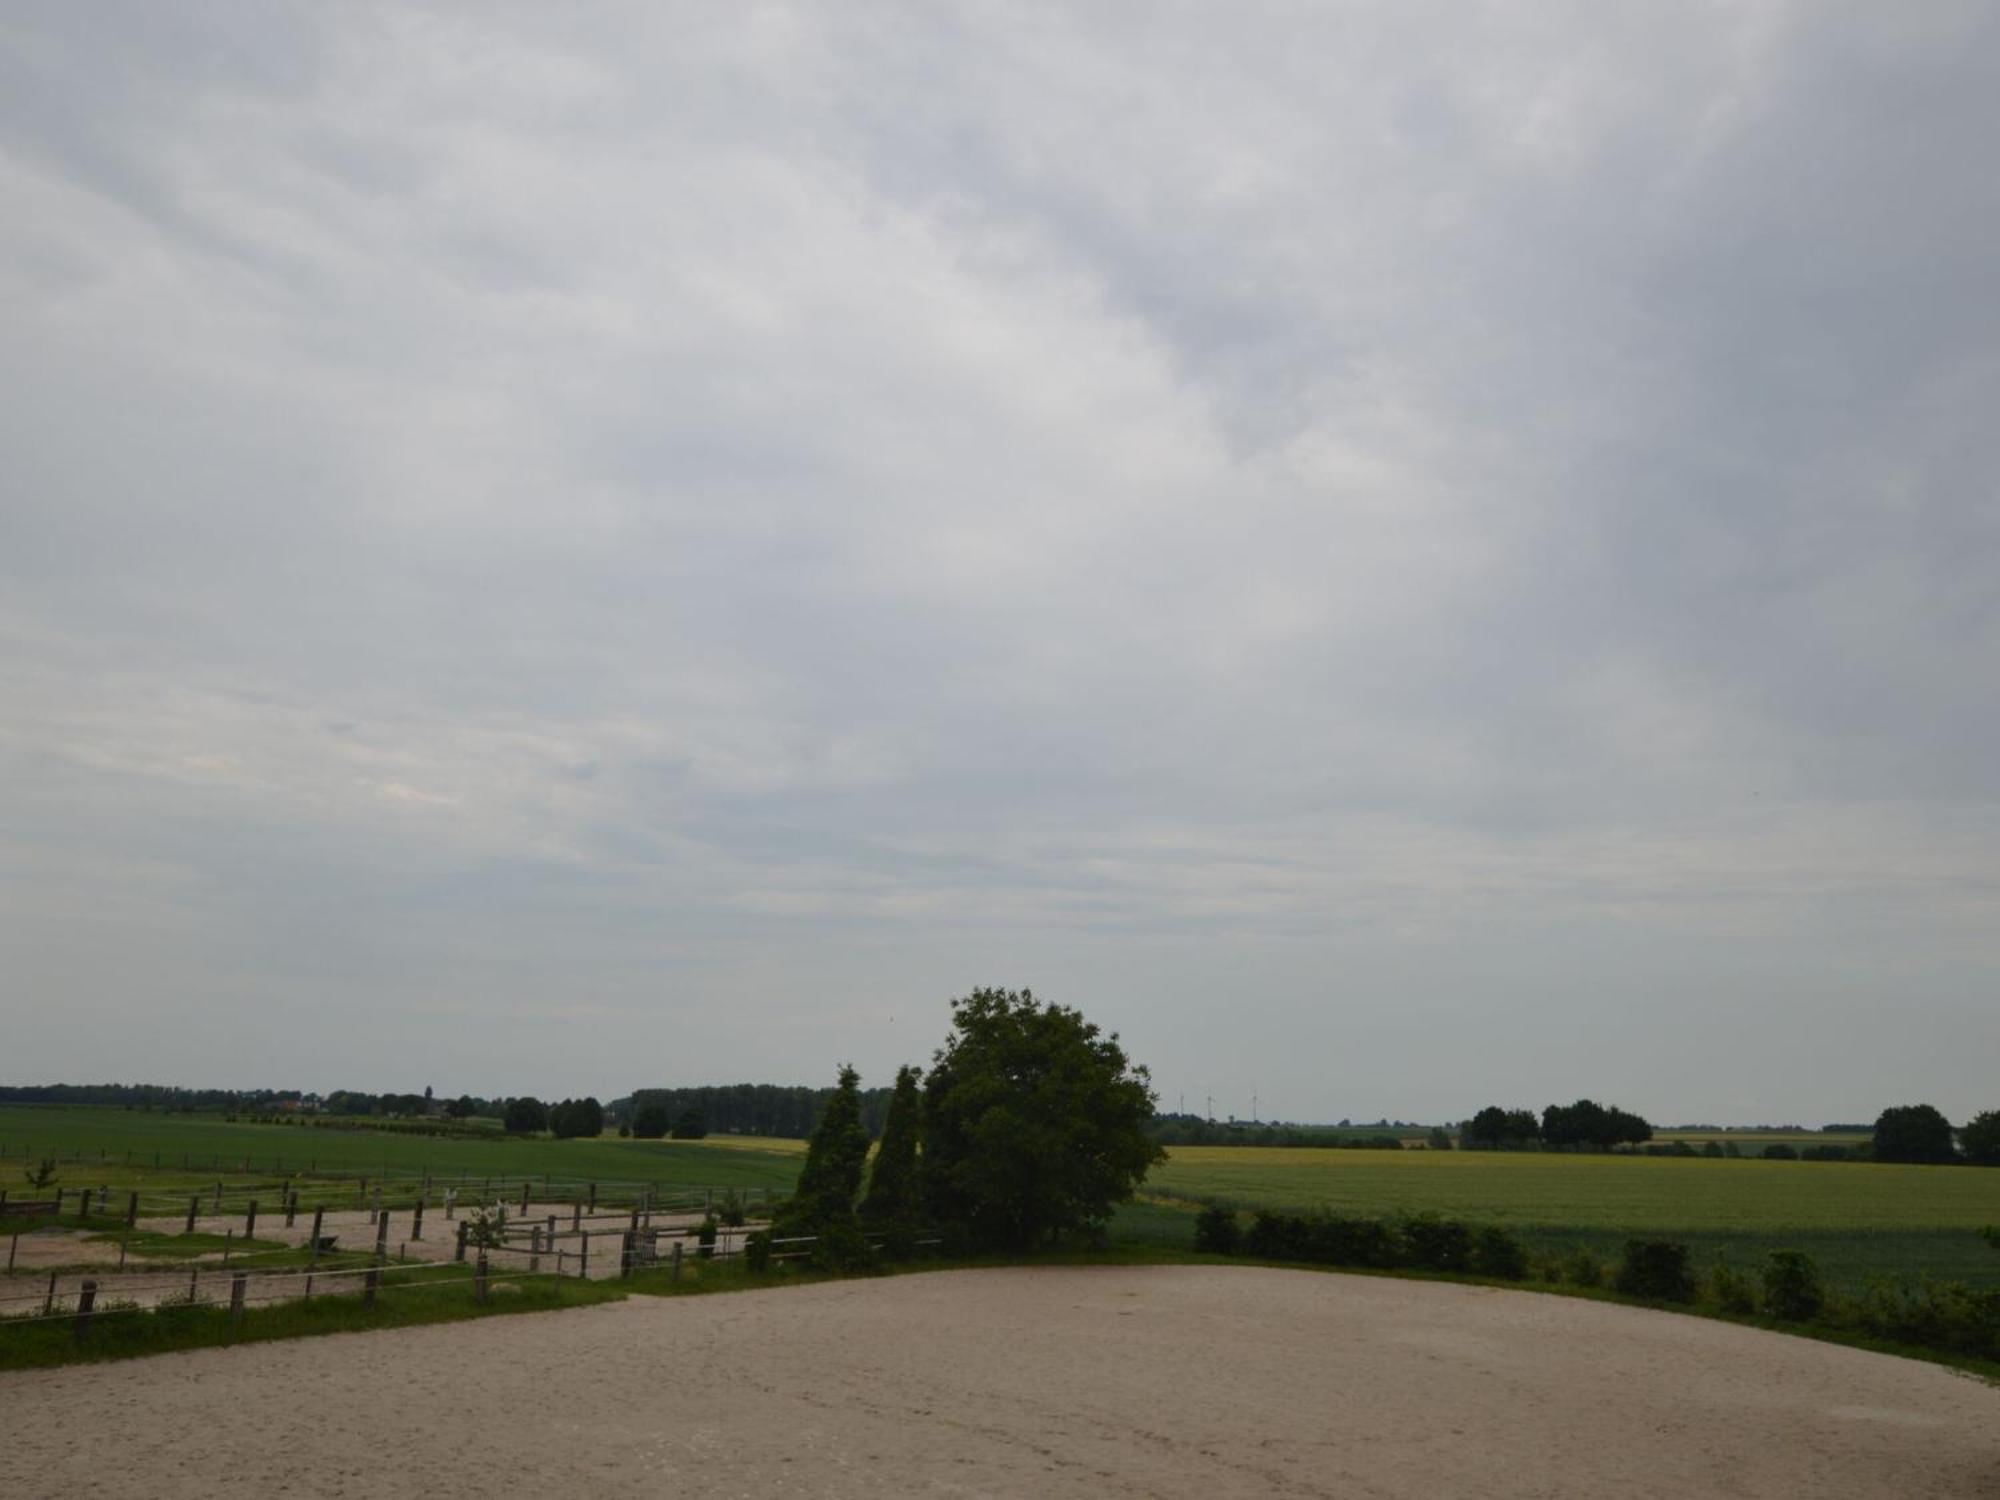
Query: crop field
x=133, y=1148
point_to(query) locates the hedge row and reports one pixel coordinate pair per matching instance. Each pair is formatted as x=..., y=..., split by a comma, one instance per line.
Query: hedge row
x=1944, y=1315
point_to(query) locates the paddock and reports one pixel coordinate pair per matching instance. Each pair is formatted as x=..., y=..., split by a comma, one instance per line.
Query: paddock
x=1024, y=1381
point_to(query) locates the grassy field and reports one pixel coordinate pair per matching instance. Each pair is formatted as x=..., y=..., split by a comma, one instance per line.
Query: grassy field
x=132, y=1148
x=1856, y=1219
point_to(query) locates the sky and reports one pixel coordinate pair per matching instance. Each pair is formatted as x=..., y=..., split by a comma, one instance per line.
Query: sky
x=1399, y=557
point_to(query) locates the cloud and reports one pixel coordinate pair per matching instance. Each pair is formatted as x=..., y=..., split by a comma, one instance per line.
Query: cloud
x=1398, y=557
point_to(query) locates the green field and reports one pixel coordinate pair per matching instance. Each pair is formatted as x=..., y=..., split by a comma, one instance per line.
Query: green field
x=1856, y=1219
x=134, y=1148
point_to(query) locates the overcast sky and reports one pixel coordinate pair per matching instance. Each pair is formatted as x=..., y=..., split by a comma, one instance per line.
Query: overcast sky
x=1402, y=557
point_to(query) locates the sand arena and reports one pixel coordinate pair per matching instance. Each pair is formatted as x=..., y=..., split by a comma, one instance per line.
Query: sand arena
x=1043, y=1381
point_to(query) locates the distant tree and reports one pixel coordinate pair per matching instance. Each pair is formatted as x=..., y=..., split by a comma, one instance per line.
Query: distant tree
x=461, y=1108
x=894, y=1200
x=1913, y=1133
x=691, y=1126
x=525, y=1116
x=1439, y=1139
x=574, y=1118
x=650, y=1122
x=1497, y=1129
x=1588, y=1123
x=1779, y=1151
x=1980, y=1137
x=1034, y=1122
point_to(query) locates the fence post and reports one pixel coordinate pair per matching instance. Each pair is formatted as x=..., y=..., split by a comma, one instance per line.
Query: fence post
x=237, y=1286
x=625, y=1254
x=49, y=1302
x=583, y=1257
x=368, y=1284
x=104, y=1200
x=361, y=1194
x=194, y=1285
x=218, y=1195
x=85, y=1301
x=291, y=1208
x=319, y=1218
x=524, y=1195
x=593, y=1197
x=450, y=1204
x=228, y=1237
x=534, y=1248
x=417, y=1222
x=677, y=1260
x=194, y=1207
x=479, y=1278
x=460, y=1255
x=576, y=1216
x=132, y=1210
x=13, y=1245
x=250, y=1221
x=82, y=1204
x=382, y=1237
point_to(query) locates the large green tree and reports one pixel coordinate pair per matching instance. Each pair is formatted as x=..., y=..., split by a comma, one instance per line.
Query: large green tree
x=1980, y=1137
x=1913, y=1133
x=1034, y=1122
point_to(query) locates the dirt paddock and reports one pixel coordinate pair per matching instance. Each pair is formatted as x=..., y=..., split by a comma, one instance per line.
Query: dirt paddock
x=1099, y=1381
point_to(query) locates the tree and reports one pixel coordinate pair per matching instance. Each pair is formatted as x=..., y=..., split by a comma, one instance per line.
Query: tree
x=461, y=1108
x=1034, y=1122
x=894, y=1199
x=1588, y=1123
x=577, y=1117
x=42, y=1176
x=1913, y=1133
x=691, y=1126
x=650, y=1122
x=1497, y=1129
x=525, y=1116
x=1981, y=1138
x=822, y=1204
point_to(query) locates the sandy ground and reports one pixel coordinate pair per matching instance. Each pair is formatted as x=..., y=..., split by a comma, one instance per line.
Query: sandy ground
x=145, y=1281
x=1100, y=1381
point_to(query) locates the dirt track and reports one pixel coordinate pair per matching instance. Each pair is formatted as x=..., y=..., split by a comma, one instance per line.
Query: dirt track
x=1157, y=1381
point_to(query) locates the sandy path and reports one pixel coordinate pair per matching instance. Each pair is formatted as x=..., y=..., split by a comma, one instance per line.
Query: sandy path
x=1153, y=1381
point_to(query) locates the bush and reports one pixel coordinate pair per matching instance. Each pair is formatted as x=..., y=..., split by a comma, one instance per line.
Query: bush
x=757, y=1251
x=1495, y=1252
x=1583, y=1268
x=1275, y=1236
x=1778, y=1151
x=730, y=1209
x=1433, y=1244
x=1791, y=1286
x=1657, y=1269
x=1217, y=1231
x=1733, y=1291
x=705, y=1238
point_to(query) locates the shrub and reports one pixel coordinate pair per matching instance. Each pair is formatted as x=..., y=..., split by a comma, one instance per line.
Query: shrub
x=1275, y=1236
x=1713, y=1149
x=1583, y=1268
x=1779, y=1151
x=1495, y=1252
x=1733, y=1291
x=1431, y=1243
x=1217, y=1231
x=1340, y=1240
x=704, y=1237
x=757, y=1251
x=731, y=1210
x=1791, y=1286
x=1657, y=1269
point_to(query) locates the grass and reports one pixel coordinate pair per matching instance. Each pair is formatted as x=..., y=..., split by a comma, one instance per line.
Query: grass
x=1856, y=1219
x=440, y=1298
x=122, y=1149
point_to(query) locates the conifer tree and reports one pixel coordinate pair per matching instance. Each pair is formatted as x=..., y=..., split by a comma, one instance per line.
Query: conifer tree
x=892, y=1202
